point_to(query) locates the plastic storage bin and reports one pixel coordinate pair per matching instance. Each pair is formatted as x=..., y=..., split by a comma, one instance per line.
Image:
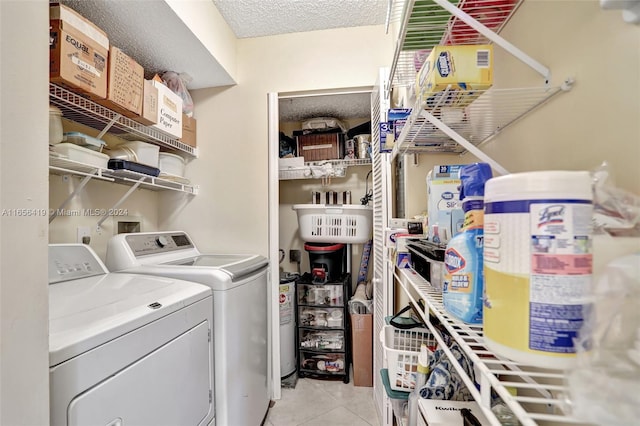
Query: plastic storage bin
x=82, y=155
x=401, y=348
x=320, y=295
x=321, y=317
x=171, y=163
x=342, y=223
x=145, y=153
x=329, y=340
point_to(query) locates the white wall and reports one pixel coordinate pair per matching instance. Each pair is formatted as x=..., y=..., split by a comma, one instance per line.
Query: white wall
x=24, y=313
x=230, y=213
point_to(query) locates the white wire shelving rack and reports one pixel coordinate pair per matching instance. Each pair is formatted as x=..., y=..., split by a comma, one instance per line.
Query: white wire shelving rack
x=66, y=167
x=539, y=393
x=439, y=128
x=324, y=169
x=77, y=108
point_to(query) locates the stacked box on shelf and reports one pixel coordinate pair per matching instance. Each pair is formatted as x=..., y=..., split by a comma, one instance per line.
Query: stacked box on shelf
x=125, y=84
x=78, y=52
x=169, y=115
x=454, y=76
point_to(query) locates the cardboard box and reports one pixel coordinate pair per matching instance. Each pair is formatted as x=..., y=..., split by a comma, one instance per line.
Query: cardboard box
x=188, y=130
x=444, y=208
x=396, y=118
x=78, y=52
x=125, y=84
x=403, y=260
x=362, y=349
x=169, y=116
x=447, y=413
x=149, y=113
x=464, y=72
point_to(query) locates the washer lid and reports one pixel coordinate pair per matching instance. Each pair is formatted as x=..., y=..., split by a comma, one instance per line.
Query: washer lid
x=236, y=266
x=85, y=313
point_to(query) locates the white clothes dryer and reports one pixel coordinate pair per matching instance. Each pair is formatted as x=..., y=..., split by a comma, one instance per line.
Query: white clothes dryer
x=126, y=349
x=240, y=320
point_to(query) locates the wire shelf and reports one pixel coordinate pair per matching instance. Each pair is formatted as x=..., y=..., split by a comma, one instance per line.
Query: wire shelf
x=423, y=24
x=84, y=111
x=321, y=169
x=64, y=166
x=540, y=392
x=440, y=123
x=492, y=111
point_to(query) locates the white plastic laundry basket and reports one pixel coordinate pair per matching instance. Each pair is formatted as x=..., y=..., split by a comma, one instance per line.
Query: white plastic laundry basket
x=339, y=223
x=401, y=348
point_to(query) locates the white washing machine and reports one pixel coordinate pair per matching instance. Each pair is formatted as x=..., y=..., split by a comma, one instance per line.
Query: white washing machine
x=240, y=320
x=126, y=349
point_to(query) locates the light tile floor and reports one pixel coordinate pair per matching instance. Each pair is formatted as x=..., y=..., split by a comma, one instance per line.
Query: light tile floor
x=324, y=403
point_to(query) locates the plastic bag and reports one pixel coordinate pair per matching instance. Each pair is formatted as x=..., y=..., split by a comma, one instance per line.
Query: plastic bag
x=178, y=85
x=604, y=386
x=616, y=211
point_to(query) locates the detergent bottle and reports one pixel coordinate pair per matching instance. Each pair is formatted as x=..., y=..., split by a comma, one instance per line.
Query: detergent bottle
x=463, y=285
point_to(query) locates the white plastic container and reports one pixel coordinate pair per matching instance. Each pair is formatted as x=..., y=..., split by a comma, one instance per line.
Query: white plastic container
x=82, y=155
x=55, y=125
x=537, y=264
x=172, y=164
x=146, y=153
x=339, y=223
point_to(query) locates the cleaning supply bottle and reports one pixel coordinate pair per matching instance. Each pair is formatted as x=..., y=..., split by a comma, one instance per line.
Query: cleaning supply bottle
x=463, y=286
x=421, y=380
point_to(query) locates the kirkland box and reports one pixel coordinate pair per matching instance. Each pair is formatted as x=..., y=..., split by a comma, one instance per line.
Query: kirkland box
x=169, y=116
x=434, y=412
x=467, y=69
x=125, y=84
x=78, y=52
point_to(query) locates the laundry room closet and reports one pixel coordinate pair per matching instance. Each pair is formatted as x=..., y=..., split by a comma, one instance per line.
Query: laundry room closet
x=231, y=199
x=347, y=175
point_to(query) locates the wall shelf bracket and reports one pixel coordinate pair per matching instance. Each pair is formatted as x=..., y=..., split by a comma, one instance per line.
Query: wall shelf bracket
x=120, y=201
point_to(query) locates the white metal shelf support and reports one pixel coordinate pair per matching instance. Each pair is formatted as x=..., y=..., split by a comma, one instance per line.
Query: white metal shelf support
x=465, y=143
x=491, y=35
x=121, y=200
x=83, y=183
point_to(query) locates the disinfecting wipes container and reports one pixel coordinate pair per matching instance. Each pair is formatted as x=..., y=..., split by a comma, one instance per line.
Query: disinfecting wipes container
x=537, y=264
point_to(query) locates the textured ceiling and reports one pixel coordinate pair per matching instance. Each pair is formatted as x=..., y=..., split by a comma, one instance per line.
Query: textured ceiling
x=257, y=18
x=341, y=106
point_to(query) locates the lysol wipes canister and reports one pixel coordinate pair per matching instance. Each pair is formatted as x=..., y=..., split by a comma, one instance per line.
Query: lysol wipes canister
x=537, y=264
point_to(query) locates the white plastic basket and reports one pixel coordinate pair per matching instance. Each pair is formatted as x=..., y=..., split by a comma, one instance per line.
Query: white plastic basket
x=340, y=223
x=401, y=348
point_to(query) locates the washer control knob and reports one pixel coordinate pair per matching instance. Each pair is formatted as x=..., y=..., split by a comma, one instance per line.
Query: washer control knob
x=162, y=241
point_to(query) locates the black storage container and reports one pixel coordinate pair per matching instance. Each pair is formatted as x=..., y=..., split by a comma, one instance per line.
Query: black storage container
x=427, y=259
x=327, y=261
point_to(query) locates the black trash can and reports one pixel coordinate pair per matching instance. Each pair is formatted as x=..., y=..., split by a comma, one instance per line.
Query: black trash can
x=327, y=261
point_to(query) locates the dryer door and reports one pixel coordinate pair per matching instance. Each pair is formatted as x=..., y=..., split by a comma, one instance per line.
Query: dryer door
x=169, y=386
